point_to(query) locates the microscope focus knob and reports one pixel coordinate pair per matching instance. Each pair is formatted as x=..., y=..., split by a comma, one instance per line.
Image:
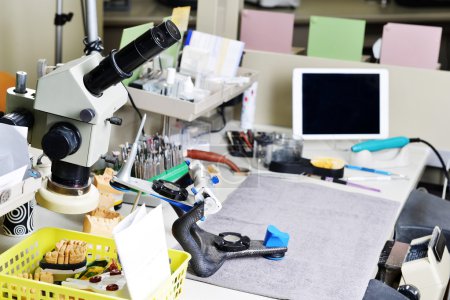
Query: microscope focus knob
x=61, y=140
x=87, y=114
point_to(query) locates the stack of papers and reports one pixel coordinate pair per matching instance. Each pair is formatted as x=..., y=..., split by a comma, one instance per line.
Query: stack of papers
x=210, y=54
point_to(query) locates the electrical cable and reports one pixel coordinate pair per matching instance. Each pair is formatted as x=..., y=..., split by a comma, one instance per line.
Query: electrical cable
x=221, y=111
x=39, y=159
x=92, y=46
x=134, y=106
x=441, y=160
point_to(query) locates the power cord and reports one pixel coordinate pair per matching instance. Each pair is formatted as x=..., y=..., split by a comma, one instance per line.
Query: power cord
x=441, y=160
x=134, y=106
x=221, y=112
x=92, y=46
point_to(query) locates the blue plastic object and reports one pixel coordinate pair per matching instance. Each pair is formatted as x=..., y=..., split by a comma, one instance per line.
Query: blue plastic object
x=215, y=180
x=194, y=190
x=376, y=145
x=376, y=171
x=275, y=238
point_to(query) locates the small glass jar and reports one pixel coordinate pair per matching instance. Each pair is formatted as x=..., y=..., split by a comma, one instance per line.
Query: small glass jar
x=285, y=150
x=260, y=146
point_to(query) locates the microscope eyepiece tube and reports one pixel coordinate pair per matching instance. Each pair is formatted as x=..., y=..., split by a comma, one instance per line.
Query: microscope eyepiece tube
x=119, y=65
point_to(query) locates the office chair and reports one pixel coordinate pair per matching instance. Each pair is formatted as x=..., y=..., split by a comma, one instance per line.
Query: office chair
x=423, y=211
x=377, y=290
x=420, y=214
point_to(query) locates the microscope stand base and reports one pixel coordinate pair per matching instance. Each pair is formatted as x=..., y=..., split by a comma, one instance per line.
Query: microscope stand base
x=68, y=204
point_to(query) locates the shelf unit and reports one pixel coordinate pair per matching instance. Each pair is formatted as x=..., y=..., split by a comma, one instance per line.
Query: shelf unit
x=189, y=111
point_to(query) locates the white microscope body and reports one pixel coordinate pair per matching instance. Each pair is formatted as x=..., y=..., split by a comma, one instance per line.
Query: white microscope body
x=71, y=113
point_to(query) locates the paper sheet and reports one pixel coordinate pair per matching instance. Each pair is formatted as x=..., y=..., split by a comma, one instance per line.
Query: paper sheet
x=14, y=158
x=180, y=16
x=141, y=245
x=411, y=45
x=267, y=30
x=224, y=54
x=336, y=38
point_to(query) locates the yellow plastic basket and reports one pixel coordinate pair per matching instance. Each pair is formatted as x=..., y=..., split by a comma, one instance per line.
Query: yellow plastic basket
x=25, y=256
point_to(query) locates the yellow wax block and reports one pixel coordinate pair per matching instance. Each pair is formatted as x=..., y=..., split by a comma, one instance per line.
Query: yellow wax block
x=100, y=225
x=107, y=200
x=328, y=163
x=102, y=182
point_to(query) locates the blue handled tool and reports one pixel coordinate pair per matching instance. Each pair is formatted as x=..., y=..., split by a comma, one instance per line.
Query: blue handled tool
x=377, y=171
x=376, y=145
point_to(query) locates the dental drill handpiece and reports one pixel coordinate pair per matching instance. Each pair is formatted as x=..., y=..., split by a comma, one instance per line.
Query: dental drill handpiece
x=203, y=182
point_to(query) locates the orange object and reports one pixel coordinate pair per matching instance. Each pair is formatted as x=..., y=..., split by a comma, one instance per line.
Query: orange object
x=6, y=81
x=213, y=157
x=243, y=136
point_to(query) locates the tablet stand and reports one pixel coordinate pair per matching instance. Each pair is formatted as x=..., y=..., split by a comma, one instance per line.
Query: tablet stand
x=398, y=157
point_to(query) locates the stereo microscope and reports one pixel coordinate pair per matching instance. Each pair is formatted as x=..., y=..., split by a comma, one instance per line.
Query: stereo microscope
x=70, y=115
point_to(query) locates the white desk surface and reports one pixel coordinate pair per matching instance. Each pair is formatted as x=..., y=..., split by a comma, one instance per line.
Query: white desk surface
x=396, y=190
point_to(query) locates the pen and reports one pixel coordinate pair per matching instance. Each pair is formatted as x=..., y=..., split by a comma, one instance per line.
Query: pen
x=381, y=172
x=375, y=178
x=341, y=181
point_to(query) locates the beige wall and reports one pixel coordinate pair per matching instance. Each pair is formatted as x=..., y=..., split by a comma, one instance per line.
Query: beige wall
x=27, y=34
x=419, y=99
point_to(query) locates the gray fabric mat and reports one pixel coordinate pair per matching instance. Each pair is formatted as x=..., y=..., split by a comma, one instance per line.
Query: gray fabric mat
x=335, y=239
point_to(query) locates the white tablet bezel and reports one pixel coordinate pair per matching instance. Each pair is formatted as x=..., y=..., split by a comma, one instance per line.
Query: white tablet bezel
x=297, y=103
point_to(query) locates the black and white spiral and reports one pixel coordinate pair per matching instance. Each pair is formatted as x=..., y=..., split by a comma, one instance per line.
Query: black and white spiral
x=19, y=221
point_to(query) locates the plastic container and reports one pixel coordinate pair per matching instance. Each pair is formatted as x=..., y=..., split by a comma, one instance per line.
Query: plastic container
x=186, y=110
x=24, y=257
x=285, y=150
x=261, y=144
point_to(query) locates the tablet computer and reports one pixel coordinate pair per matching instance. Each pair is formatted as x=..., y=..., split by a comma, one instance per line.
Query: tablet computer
x=340, y=103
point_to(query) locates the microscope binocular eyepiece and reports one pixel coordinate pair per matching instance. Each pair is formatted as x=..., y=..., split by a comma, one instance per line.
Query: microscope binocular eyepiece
x=119, y=65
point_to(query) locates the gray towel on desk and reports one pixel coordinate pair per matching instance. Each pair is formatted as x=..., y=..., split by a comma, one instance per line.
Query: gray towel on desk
x=335, y=239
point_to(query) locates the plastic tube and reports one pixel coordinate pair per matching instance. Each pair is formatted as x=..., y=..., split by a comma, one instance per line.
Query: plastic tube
x=213, y=157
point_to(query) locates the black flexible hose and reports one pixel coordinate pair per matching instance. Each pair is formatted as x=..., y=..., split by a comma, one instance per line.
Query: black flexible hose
x=134, y=106
x=441, y=160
